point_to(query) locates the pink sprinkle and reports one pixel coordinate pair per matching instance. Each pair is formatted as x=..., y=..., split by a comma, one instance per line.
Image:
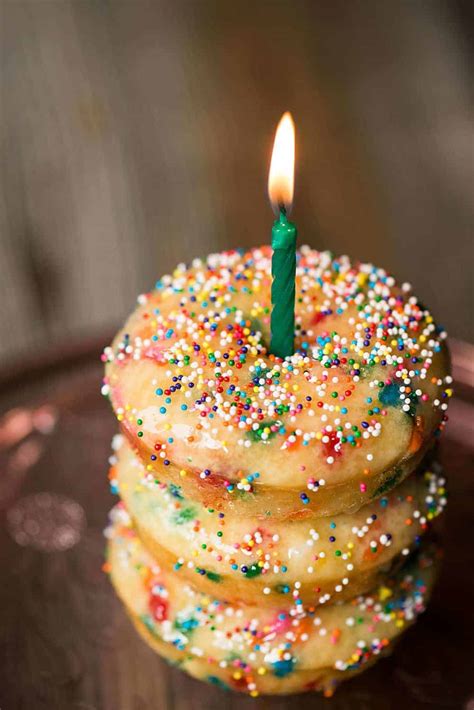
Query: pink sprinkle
x=363, y=487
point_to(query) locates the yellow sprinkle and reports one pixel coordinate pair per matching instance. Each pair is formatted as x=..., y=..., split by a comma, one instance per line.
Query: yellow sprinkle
x=384, y=593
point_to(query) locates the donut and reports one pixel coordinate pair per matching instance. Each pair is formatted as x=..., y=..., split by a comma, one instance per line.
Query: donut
x=322, y=560
x=322, y=432
x=255, y=650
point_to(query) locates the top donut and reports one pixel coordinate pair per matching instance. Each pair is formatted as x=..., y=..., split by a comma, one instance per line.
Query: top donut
x=346, y=417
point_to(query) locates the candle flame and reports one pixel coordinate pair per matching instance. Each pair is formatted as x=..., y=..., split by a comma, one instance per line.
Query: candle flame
x=281, y=177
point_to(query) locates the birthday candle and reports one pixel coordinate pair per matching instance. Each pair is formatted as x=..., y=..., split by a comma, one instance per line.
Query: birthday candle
x=280, y=190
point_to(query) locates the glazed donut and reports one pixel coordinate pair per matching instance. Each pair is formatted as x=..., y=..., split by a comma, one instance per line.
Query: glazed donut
x=336, y=425
x=254, y=650
x=322, y=560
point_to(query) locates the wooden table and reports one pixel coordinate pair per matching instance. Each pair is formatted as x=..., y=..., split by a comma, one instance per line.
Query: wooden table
x=65, y=642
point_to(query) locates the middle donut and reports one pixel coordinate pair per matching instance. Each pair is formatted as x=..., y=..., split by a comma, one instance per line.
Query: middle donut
x=272, y=562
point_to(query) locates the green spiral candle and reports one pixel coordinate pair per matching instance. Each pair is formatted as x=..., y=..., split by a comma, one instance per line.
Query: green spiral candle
x=280, y=191
x=283, y=286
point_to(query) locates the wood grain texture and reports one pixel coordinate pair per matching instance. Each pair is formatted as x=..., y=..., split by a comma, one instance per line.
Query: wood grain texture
x=135, y=135
x=65, y=640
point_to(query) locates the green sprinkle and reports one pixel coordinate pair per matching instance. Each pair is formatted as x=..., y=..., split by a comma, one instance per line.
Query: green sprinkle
x=213, y=576
x=253, y=571
x=184, y=515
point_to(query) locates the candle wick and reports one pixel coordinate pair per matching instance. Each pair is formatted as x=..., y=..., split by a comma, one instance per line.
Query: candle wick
x=282, y=208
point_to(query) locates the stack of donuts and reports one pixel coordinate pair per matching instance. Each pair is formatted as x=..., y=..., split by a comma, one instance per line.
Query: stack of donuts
x=271, y=534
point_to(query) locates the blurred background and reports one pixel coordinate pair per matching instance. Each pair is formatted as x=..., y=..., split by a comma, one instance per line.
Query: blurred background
x=137, y=134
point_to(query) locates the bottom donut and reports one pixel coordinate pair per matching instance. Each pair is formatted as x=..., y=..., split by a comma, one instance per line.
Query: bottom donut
x=262, y=651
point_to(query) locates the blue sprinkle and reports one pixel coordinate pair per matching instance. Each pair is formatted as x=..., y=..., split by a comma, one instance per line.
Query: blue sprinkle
x=390, y=395
x=283, y=668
